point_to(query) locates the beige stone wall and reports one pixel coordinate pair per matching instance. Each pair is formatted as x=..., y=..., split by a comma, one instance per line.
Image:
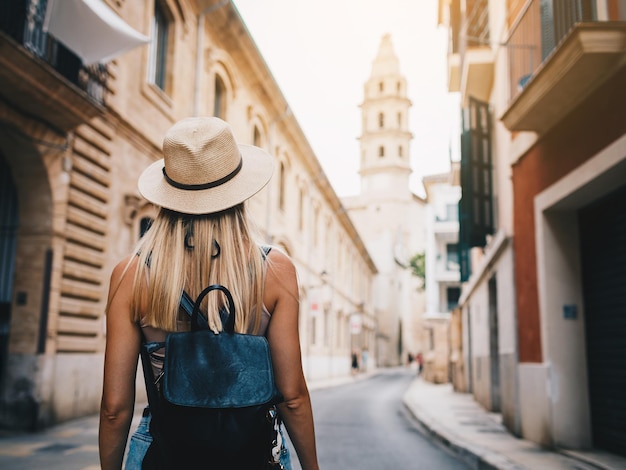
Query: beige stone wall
x=437, y=353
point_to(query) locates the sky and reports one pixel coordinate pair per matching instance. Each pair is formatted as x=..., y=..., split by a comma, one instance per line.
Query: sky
x=320, y=53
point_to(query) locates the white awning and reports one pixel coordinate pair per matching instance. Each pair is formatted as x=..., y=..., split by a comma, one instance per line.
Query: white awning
x=89, y=28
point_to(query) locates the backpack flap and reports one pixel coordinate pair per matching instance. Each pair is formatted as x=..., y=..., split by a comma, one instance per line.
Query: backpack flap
x=208, y=370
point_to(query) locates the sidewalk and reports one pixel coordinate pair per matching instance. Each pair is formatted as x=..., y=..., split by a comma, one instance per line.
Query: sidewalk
x=479, y=438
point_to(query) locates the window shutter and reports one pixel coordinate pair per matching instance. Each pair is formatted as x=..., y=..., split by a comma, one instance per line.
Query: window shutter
x=476, y=204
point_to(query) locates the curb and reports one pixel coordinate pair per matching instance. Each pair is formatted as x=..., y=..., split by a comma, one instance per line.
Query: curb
x=476, y=457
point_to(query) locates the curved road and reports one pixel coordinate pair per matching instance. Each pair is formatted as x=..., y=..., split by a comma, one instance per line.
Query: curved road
x=365, y=425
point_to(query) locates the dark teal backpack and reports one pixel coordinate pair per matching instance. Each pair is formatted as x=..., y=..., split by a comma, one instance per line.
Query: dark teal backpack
x=214, y=404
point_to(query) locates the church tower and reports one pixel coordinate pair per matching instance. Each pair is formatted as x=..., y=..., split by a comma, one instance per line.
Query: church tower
x=385, y=166
x=386, y=213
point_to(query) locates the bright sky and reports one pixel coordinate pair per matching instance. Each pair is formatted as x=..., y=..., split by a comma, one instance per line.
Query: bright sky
x=321, y=52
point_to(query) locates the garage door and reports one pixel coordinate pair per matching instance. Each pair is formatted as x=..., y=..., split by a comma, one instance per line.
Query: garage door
x=603, y=251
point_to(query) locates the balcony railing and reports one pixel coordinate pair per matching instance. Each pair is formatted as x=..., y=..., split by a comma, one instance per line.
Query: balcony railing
x=541, y=26
x=23, y=20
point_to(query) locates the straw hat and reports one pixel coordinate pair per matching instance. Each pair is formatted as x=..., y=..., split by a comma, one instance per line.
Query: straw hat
x=204, y=170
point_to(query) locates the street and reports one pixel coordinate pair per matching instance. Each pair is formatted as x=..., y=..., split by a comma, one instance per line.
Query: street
x=364, y=425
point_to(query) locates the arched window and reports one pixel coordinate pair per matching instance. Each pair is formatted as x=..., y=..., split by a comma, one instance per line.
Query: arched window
x=381, y=120
x=157, y=72
x=256, y=137
x=400, y=151
x=281, y=188
x=381, y=151
x=399, y=119
x=219, y=106
x=381, y=86
x=301, y=210
x=316, y=217
x=399, y=87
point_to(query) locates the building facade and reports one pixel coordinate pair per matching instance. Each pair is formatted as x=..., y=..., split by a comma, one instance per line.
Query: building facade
x=443, y=286
x=545, y=123
x=73, y=140
x=388, y=216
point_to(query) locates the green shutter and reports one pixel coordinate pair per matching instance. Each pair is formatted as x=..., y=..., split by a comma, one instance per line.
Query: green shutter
x=476, y=204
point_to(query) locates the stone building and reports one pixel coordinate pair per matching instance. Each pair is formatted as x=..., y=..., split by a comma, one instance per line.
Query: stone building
x=388, y=215
x=543, y=177
x=73, y=140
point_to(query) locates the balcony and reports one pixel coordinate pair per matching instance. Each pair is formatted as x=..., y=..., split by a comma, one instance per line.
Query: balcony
x=42, y=77
x=557, y=57
x=477, y=63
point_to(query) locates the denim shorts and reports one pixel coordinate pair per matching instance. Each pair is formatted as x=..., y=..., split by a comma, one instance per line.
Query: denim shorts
x=138, y=445
x=141, y=440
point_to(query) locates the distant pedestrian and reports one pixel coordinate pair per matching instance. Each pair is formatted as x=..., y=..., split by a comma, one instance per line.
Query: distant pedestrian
x=420, y=363
x=355, y=362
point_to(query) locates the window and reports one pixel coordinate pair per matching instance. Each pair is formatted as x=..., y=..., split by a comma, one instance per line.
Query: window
x=158, y=47
x=452, y=212
x=452, y=297
x=381, y=120
x=399, y=119
x=256, y=137
x=316, y=218
x=381, y=86
x=399, y=87
x=452, y=257
x=281, y=187
x=219, y=106
x=301, y=210
x=381, y=151
x=400, y=150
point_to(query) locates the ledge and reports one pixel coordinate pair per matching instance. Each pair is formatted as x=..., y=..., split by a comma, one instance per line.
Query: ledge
x=587, y=57
x=33, y=86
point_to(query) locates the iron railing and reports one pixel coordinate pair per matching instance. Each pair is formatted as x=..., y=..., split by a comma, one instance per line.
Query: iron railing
x=23, y=20
x=537, y=31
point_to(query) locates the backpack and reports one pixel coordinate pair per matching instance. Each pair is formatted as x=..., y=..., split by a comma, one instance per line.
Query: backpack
x=214, y=404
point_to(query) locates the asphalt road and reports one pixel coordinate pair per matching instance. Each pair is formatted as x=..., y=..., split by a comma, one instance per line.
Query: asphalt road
x=364, y=425
x=359, y=426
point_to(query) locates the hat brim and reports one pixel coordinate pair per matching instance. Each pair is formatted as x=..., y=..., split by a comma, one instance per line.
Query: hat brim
x=256, y=171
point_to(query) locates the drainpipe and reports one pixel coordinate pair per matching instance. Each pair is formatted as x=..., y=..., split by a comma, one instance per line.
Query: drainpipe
x=200, y=37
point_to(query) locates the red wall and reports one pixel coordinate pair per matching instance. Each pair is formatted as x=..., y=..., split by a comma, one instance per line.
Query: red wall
x=592, y=126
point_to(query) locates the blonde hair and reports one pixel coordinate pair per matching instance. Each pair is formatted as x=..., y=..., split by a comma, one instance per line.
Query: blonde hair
x=190, y=252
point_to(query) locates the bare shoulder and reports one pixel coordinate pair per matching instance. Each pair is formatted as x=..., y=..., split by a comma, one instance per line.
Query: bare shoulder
x=281, y=279
x=280, y=262
x=124, y=267
x=122, y=278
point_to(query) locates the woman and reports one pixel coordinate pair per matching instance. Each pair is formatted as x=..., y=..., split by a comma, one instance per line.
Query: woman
x=201, y=236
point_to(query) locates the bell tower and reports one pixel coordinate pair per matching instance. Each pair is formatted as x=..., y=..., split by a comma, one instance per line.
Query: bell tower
x=385, y=139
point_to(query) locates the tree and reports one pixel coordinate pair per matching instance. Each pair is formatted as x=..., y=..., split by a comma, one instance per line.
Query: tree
x=417, y=264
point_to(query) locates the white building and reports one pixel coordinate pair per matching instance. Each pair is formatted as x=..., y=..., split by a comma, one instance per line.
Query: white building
x=443, y=286
x=388, y=216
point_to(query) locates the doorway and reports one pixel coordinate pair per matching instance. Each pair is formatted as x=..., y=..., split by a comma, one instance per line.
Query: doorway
x=8, y=240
